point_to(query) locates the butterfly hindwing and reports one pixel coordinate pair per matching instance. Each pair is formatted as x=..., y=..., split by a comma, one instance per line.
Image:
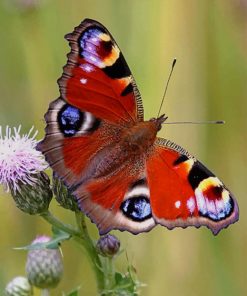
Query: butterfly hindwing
x=120, y=201
x=168, y=187
x=121, y=175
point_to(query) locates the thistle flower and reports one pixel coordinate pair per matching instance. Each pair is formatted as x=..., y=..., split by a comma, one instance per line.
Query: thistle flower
x=108, y=245
x=19, y=160
x=18, y=286
x=21, y=171
x=44, y=267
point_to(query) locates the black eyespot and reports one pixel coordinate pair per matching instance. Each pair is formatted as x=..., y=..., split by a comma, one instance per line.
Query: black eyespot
x=217, y=191
x=70, y=120
x=137, y=208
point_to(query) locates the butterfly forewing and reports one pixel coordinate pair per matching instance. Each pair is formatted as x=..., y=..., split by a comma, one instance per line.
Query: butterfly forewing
x=98, y=98
x=97, y=78
x=185, y=193
x=120, y=184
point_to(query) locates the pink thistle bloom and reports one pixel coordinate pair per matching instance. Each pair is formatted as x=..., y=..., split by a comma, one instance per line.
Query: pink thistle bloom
x=19, y=160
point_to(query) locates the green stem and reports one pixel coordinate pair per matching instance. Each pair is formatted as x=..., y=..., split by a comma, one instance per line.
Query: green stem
x=92, y=253
x=81, y=223
x=109, y=274
x=58, y=224
x=80, y=236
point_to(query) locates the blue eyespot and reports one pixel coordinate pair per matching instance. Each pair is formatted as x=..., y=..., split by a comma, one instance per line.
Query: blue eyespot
x=70, y=120
x=137, y=208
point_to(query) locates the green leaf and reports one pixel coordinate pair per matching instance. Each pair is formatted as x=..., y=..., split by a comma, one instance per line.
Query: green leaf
x=118, y=278
x=54, y=243
x=74, y=292
x=126, y=284
x=58, y=237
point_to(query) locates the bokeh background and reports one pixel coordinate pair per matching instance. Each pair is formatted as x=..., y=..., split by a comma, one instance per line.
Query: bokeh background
x=209, y=39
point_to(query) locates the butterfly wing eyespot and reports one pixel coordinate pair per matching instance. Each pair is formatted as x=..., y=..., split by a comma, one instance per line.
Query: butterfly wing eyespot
x=97, y=78
x=98, y=98
x=120, y=202
x=188, y=193
x=72, y=120
x=137, y=208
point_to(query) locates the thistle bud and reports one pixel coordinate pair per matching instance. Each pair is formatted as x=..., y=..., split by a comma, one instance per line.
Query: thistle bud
x=63, y=196
x=34, y=198
x=44, y=267
x=19, y=286
x=108, y=245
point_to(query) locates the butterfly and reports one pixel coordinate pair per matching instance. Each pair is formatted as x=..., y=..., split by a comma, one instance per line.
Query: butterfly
x=122, y=175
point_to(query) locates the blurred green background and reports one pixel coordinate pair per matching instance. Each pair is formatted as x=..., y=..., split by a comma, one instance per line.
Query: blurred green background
x=209, y=39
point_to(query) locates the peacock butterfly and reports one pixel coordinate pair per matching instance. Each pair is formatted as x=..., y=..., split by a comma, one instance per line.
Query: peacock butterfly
x=122, y=175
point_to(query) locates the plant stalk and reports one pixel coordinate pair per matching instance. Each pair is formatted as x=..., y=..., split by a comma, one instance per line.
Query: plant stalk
x=81, y=237
x=109, y=274
x=91, y=251
x=50, y=218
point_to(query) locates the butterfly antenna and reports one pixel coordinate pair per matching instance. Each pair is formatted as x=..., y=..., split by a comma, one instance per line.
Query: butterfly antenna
x=167, y=83
x=196, y=122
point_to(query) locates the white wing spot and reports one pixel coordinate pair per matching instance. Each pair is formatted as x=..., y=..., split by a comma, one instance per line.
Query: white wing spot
x=83, y=80
x=191, y=204
x=87, y=68
x=201, y=202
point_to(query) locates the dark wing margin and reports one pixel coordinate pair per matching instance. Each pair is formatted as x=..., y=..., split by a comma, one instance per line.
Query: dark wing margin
x=98, y=97
x=97, y=69
x=183, y=192
x=120, y=201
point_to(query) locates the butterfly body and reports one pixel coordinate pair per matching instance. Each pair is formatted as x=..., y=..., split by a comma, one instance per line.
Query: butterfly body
x=122, y=175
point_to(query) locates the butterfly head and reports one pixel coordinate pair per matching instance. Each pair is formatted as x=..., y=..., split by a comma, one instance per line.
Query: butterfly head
x=159, y=121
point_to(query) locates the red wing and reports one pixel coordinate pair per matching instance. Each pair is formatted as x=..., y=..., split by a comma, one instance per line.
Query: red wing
x=183, y=192
x=119, y=201
x=72, y=140
x=168, y=187
x=98, y=98
x=97, y=78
